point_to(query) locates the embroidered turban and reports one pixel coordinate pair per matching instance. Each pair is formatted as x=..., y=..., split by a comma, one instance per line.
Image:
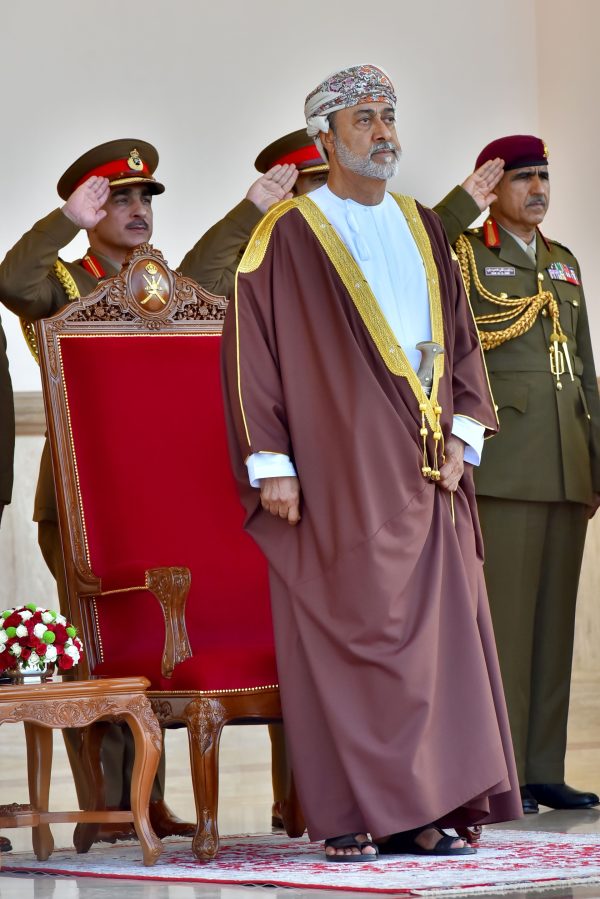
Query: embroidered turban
x=348, y=87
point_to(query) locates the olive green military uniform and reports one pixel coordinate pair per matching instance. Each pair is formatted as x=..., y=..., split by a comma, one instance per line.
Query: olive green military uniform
x=30, y=288
x=535, y=484
x=213, y=261
x=7, y=427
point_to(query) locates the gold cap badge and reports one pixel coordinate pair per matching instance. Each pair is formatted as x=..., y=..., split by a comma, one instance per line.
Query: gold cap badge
x=134, y=162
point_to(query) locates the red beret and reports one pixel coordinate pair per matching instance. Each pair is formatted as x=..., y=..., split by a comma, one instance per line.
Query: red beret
x=517, y=150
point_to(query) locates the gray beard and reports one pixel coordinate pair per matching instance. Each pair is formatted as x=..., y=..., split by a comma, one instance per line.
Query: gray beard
x=364, y=165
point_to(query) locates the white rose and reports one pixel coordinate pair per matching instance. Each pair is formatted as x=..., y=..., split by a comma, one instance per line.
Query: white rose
x=15, y=649
x=3, y=637
x=51, y=653
x=2, y=647
x=26, y=615
x=47, y=618
x=39, y=630
x=22, y=631
x=60, y=619
x=73, y=652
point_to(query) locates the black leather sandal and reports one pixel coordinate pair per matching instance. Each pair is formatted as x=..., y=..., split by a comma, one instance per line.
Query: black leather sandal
x=349, y=841
x=404, y=843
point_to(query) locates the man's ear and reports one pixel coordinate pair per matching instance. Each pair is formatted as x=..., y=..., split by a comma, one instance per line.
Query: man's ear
x=327, y=139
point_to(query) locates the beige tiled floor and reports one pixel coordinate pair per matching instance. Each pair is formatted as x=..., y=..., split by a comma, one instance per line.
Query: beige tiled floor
x=245, y=805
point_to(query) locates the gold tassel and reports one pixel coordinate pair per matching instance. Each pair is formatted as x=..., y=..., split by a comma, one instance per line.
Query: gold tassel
x=426, y=468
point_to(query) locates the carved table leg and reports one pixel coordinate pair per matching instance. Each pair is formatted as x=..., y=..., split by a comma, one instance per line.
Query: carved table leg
x=39, y=768
x=90, y=769
x=147, y=737
x=205, y=719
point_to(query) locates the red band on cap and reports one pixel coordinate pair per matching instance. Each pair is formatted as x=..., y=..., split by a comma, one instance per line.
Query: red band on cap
x=112, y=170
x=303, y=155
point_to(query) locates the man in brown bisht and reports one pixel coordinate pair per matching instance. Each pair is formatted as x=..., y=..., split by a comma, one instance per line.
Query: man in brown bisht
x=357, y=437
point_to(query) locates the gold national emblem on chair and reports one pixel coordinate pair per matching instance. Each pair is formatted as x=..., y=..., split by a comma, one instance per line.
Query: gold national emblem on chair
x=150, y=285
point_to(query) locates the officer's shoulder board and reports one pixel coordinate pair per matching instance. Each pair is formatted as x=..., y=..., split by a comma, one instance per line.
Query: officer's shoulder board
x=557, y=243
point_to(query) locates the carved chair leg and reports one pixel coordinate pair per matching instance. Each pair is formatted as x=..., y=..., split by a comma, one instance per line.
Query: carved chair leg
x=205, y=719
x=148, y=740
x=39, y=767
x=91, y=773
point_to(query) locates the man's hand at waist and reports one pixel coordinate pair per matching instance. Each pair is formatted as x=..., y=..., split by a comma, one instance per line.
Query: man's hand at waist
x=452, y=470
x=281, y=497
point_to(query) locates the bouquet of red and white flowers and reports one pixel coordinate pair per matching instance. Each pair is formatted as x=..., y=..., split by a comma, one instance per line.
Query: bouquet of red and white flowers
x=36, y=637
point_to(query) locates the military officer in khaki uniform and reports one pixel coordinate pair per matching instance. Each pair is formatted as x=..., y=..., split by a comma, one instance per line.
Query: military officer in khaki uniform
x=7, y=446
x=7, y=429
x=296, y=161
x=108, y=192
x=539, y=480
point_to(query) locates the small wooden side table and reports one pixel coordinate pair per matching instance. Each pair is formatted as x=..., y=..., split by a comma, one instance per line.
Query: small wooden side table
x=56, y=704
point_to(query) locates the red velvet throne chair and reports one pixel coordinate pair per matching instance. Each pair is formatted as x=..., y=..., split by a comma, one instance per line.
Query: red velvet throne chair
x=148, y=511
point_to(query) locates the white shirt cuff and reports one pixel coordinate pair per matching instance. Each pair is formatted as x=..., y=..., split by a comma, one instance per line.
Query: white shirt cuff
x=471, y=433
x=269, y=465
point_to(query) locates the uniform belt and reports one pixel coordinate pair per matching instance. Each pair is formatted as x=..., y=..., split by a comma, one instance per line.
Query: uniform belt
x=529, y=365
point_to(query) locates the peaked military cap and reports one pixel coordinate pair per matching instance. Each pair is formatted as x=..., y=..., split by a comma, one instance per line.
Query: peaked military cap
x=517, y=150
x=297, y=148
x=123, y=162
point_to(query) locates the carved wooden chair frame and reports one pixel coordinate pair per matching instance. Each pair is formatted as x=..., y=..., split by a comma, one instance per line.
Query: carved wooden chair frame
x=124, y=305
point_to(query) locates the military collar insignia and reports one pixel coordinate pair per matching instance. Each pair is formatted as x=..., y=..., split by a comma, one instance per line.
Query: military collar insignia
x=93, y=266
x=491, y=234
x=560, y=271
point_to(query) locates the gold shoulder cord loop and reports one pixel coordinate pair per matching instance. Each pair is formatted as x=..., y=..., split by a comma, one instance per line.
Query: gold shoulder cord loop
x=524, y=309
x=70, y=287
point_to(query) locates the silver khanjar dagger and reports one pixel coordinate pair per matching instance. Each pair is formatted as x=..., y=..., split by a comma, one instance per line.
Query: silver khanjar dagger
x=429, y=350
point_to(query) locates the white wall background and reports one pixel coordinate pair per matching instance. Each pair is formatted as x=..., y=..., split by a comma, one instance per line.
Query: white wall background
x=212, y=83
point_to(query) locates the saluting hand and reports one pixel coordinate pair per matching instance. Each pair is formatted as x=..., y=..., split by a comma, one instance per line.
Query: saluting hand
x=84, y=206
x=480, y=185
x=273, y=186
x=281, y=497
x=452, y=470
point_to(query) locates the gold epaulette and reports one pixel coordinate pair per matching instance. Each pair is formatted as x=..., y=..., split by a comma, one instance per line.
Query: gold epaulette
x=70, y=287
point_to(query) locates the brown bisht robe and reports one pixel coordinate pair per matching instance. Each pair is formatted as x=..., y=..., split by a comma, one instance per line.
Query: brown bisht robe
x=393, y=704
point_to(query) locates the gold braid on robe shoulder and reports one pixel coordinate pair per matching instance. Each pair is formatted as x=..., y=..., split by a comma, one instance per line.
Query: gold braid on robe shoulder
x=522, y=312
x=70, y=287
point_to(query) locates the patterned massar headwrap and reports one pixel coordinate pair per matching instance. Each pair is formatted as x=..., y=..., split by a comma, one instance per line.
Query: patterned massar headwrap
x=342, y=89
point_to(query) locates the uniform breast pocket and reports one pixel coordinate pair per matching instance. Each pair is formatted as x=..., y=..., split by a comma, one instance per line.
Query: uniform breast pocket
x=570, y=298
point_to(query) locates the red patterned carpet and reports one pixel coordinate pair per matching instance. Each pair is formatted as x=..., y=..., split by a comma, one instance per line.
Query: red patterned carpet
x=508, y=860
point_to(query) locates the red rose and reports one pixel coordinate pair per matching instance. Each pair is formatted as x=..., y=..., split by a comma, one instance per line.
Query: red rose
x=13, y=620
x=61, y=634
x=65, y=662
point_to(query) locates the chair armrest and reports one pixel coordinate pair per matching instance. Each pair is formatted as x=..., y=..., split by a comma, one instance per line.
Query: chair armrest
x=171, y=587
